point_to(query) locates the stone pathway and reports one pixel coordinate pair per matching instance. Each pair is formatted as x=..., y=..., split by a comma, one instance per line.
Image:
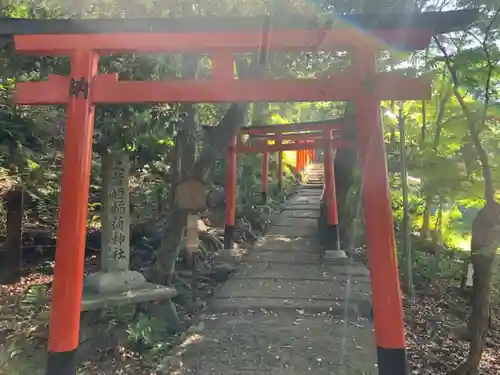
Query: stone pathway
x=283, y=312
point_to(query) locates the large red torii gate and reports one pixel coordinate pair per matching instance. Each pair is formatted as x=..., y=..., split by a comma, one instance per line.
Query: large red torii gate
x=84, y=40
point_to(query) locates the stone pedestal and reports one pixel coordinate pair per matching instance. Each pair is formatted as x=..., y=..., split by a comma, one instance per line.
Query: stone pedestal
x=335, y=256
x=231, y=256
x=115, y=284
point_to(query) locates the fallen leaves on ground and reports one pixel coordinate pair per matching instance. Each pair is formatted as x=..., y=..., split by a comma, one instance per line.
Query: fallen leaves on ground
x=431, y=323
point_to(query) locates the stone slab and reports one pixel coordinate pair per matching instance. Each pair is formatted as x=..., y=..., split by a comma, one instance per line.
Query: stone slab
x=271, y=344
x=354, y=269
x=114, y=282
x=303, y=222
x=284, y=257
x=301, y=272
x=149, y=292
x=287, y=289
x=335, y=256
x=312, y=191
x=232, y=256
x=341, y=308
x=295, y=230
x=301, y=206
x=288, y=243
x=313, y=214
x=314, y=184
x=304, y=199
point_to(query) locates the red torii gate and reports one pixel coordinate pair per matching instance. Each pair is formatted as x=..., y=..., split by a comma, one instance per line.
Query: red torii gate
x=300, y=142
x=297, y=132
x=305, y=138
x=84, y=40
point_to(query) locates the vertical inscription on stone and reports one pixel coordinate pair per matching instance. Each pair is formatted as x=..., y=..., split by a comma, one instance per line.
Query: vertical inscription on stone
x=116, y=221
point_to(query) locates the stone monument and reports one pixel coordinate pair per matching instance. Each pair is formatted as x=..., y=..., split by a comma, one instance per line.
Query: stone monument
x=115, y=283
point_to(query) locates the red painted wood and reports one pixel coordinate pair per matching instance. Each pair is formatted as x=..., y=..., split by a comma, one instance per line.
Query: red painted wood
x=275, y=131
x=71, y=233
x=341, y=87
x=386, y=292
x=248, y=149
x=231, y=183
x=265, y=173
x=292, y=137
x=236, y=41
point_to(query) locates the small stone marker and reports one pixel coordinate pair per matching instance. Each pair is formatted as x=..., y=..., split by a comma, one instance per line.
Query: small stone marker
x=192, y=238
x=115, y=275
x=116, y=228
x=469, y=281
x=116, y=284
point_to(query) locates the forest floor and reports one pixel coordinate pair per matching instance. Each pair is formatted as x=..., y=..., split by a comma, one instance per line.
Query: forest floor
x=430, y=331
x=127, y=343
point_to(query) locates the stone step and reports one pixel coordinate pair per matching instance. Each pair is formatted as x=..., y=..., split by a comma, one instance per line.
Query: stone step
x=305, y=222
x=291, y=289
x=303, y=206
x=284, y=256
x=352, y=308
x=292, y=231
x=289, y=243
x=354, y=275
x=314, y=214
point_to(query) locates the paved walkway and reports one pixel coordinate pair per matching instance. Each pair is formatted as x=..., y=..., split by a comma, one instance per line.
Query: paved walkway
x=283, y=312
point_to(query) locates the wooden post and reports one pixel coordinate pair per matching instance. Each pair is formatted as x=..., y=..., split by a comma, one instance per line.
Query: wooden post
x=11, y=252
x=387, y=304
x=70, y=248
x=265, y=177
x=279, y=141
x=231, y=187
x=330, y=196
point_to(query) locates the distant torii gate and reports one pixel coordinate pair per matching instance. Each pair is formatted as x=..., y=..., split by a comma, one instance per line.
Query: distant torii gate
x=305, y=138
x=84, y=40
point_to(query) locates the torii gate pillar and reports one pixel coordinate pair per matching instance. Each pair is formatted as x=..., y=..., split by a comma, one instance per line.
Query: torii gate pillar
x=73, y=211
x=386, y=295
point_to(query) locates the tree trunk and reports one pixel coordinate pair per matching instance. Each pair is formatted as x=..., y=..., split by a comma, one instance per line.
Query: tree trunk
x=406, y=209
x=186, y=144
x=170, y=247
x=192, y=166
x=11, y=251
x=484, y=243
x=345, y=162
x=426, y=217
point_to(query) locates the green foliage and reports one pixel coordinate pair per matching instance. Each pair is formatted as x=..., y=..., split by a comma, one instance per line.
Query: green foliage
x=147, y=330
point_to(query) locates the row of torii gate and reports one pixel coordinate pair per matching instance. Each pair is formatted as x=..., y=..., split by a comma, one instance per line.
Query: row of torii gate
x=221, y=38
x=304, y=138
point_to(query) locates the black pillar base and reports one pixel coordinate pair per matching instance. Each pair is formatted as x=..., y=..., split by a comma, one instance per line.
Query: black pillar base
x=62, y=363
x=263, y=197
x=229, y=237
x=392, y=361
x=332, y=235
